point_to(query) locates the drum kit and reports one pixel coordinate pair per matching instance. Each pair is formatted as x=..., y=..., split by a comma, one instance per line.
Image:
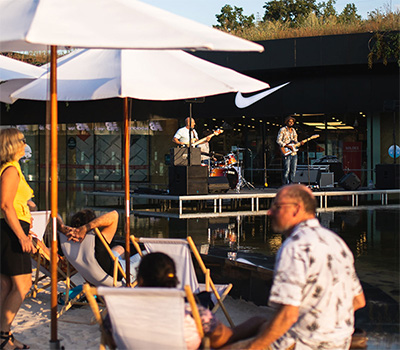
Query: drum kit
x=230, y=168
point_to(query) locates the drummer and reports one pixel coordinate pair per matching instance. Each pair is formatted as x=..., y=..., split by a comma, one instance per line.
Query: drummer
x=206, y=156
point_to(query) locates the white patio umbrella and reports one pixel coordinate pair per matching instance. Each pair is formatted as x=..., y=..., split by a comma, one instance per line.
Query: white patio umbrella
x=106, y=24
x=142, y=74
x=14, y=74
x=98, y=24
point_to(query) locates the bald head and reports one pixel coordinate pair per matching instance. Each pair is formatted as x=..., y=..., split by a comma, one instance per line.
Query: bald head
x=300, y=194
x=187, y=122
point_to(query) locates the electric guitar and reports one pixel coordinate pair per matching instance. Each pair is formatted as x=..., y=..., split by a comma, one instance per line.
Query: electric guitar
x=215, y=133
x=286, y=150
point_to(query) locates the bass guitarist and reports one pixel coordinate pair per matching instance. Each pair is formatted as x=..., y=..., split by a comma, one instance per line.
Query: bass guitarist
x=182, y=136
x=287, y=138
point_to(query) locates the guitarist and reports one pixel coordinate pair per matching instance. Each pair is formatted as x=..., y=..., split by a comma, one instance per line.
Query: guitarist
x=181, y=137
x=287, y=137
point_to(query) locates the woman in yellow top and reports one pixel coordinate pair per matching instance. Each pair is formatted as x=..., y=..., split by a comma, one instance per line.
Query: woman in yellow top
x=16, y=245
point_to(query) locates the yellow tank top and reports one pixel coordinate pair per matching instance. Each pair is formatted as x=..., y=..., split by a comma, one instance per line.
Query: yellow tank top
x=24, y=193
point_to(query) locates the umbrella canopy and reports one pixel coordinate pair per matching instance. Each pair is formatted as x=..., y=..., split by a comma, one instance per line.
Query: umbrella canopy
x=106, y=24
x=15, y=74
x=142, y=74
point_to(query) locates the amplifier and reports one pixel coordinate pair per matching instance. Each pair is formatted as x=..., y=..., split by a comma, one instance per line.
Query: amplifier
x=187, y=180
x=179, y=156
x=306, y=176
x=326, y=180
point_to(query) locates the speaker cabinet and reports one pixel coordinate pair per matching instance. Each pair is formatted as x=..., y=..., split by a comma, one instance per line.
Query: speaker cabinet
x=187, y=180
x=350, y=182
x=326, y=180
x=218, y=184
x=306, y=176
x=179, y=156
x=387, y=176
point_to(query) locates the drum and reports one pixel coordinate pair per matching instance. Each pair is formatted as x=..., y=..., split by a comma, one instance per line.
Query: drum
x=230, y=173
x=230, y=159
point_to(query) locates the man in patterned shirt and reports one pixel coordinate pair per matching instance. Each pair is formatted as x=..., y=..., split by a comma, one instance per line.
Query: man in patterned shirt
x=287, y=136
x=315, y=289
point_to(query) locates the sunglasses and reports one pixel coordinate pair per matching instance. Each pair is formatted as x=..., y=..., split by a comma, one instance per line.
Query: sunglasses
x=23, y=140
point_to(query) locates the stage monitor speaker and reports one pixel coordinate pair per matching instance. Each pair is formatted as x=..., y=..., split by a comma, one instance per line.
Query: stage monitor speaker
x=179, y=156
x=387, y=176
x=218, y=184
x=188, y=180
x=350, y=182
x=307, y=176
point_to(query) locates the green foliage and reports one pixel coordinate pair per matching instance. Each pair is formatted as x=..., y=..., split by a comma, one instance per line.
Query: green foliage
x=233, y=19
x=288, y=11
x=324, y=20
x=384, y=46
x=349, y=14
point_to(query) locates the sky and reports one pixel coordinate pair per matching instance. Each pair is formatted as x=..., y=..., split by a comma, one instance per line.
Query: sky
x=204, y=11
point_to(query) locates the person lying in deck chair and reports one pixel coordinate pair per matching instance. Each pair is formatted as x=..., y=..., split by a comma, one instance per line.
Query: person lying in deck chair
x=85, y=220
x=158, y=270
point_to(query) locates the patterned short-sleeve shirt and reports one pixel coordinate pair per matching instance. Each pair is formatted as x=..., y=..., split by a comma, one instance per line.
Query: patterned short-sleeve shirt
x=315, y=271
x=286, y=136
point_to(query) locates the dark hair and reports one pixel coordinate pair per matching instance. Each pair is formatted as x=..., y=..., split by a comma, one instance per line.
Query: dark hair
x=157, y=270
x=82, y=217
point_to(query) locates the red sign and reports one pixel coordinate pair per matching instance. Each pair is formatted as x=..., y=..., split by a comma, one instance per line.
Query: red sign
x=352, y=152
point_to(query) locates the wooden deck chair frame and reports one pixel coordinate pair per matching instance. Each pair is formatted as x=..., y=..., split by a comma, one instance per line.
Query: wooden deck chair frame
x=106, y=339
x=68, y=303
x=41, y=259
x=41, y=256
x=208, y=281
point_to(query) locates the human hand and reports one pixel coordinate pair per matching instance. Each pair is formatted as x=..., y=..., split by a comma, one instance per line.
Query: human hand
x=77, y=234
x=27, y=244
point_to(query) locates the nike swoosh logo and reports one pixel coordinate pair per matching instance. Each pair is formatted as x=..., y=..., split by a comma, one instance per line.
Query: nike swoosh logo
x=243, y=102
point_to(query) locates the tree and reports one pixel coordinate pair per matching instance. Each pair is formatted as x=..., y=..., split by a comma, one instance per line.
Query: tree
x=327, y=9
x=233, y=19
x=291, y=11
x=349, y=14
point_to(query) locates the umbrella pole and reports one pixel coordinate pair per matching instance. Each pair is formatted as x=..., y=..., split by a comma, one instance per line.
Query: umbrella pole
x=54, y=342
x=127, y=191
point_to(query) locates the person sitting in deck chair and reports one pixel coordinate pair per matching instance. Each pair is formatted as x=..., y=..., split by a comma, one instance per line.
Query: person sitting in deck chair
x=158, y=270
x=85, y=220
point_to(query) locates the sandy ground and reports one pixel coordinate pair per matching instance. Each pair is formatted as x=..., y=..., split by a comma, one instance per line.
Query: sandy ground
x=77, y=330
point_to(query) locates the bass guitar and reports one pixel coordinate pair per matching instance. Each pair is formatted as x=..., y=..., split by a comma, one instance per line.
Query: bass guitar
x=294, y=146
x=215, y=133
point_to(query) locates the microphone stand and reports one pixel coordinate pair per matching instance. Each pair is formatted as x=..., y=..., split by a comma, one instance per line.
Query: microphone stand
x=190, y=133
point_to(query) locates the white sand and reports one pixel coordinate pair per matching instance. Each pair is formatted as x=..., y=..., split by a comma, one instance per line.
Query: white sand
x=76, y=329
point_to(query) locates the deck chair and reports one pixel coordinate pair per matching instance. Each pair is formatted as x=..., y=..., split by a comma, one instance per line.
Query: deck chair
x=144, y=318
x=81, y=255
x=179, y=250
x=41, y=259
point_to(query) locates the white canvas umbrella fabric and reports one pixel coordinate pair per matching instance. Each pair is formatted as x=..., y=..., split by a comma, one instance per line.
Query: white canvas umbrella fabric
x=142, y=74
x=106, y=24
x=14, y=74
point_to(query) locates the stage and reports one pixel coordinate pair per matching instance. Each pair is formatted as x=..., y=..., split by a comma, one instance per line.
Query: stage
x=247, y=202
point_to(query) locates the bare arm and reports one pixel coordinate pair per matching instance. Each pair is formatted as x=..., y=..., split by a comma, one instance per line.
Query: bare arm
x=9, y=187
x=107, y=223
x=177, y=141
x=285, y=317
x=359, y=301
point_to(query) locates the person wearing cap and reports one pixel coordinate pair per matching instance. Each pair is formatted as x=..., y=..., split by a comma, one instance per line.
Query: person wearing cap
x=287, y=137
